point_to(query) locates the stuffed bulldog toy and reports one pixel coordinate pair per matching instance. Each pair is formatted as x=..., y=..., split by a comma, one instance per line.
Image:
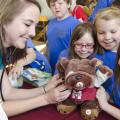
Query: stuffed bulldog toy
x=83, y=77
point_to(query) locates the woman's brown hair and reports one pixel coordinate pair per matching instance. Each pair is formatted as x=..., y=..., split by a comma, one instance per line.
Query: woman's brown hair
x=9, y=9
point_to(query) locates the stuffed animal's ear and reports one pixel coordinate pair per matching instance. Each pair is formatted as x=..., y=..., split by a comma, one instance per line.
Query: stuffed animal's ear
x=95, y=62
x=62, y=65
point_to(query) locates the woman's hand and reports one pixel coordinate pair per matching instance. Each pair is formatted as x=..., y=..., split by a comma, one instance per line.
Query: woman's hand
x=102, y=97
x=58, y=94
x=53, y=83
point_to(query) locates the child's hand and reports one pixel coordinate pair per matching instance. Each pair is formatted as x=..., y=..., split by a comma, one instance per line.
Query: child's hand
x=17, y=71
x=101, y=95
x=14, y=76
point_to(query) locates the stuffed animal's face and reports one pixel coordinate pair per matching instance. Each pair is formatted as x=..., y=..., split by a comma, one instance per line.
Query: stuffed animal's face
x=78, y=74
x=78, y=80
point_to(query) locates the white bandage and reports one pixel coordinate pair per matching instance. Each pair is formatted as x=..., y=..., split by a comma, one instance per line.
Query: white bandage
x=16, y=82
x=69, y=73
x=100, y=78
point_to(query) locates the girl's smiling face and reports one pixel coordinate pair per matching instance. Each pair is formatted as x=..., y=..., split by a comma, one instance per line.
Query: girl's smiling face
x=108, y=33
x=84, y=47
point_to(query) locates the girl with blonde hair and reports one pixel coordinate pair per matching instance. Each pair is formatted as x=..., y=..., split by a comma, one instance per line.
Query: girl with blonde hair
x=107, y=26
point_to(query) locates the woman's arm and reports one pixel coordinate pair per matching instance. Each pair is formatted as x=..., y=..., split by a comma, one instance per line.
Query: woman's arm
x=23, y=104
x=15, y=107
x=11, y=93
x=102, y=98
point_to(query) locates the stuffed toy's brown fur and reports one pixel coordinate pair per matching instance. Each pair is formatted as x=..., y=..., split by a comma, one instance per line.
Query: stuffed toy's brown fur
x=82, y=77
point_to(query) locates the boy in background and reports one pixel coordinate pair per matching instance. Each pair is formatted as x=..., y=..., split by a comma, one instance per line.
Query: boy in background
x=59, y=29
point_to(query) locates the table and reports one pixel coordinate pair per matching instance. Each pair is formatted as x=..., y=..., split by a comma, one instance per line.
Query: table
x=50, y=113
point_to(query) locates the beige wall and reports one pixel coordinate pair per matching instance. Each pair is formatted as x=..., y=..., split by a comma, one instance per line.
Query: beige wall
x=45, y=9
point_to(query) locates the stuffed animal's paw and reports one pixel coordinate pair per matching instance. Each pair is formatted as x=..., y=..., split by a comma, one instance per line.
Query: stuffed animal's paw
x=66, y=107
x=90, y=110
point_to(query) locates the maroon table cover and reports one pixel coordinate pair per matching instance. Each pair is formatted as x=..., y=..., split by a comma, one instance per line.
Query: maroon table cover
x=50, y=113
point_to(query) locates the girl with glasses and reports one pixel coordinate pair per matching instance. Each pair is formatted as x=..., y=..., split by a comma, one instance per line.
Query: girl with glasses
x=83, y=43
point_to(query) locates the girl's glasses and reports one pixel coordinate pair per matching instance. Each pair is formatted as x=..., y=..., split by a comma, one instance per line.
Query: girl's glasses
x=87, y=46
